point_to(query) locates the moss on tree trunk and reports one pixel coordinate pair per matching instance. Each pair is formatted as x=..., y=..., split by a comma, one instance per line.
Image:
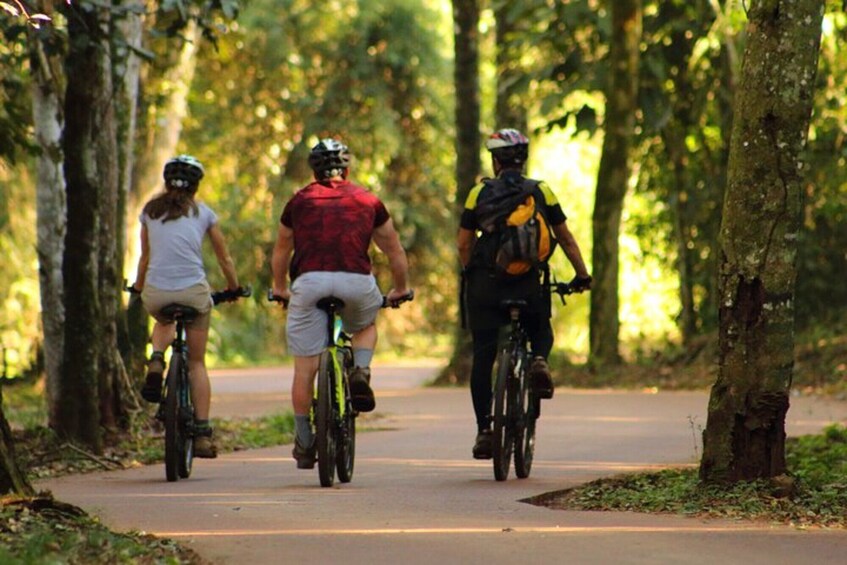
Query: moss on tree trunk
x=745, y=433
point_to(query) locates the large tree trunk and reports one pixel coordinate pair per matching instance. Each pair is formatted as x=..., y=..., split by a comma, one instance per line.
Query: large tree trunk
x=90, y=163
x=745, y=432
x=466, y=81
x=51, y=213
x=12, y=479
x=613, y=178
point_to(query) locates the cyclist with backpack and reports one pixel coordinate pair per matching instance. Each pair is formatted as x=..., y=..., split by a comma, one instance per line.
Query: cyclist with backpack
x=508, y=229
x=322, y=245
x=170, y=270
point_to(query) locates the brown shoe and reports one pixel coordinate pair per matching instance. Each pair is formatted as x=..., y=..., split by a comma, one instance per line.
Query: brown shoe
x=541, y=378
x=483, y=445
x=152, y=390
x=204, y=447
x=360, y=390
x=305, y=456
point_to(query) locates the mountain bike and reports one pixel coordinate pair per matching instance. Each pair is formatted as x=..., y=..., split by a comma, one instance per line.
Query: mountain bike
x=333, y=417
x=176, y=410
x=516, y=405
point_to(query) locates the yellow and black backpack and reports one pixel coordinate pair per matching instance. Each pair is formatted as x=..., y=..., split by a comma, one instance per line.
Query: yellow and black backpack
x=516, y=234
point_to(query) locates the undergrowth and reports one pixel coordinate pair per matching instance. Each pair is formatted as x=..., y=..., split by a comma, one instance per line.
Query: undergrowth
x=817, y=464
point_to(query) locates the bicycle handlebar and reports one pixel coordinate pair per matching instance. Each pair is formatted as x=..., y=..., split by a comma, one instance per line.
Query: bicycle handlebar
x=385, y=302
x=229, y=295
x=232, y=295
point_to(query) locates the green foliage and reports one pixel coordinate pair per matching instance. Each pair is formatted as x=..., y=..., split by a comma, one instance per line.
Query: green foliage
x=20, y=302
x=279, y=83
x=818, y=464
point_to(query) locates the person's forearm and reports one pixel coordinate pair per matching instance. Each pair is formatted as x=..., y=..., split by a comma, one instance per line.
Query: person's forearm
x=399, y=269
x=279, y=268
x=228, y=268
x=141, y=274
x=574, y=255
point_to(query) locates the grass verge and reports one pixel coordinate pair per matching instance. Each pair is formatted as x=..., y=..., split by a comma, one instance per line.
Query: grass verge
x=43, y=530
x=817, y=464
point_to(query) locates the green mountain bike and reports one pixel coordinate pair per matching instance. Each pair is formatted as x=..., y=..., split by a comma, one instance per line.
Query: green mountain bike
x=332, y=415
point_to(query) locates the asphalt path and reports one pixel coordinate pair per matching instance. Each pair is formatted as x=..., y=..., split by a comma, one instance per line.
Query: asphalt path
x=417, y=496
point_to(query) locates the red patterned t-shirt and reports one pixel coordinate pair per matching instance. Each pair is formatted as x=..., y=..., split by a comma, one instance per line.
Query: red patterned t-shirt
x=333, y=222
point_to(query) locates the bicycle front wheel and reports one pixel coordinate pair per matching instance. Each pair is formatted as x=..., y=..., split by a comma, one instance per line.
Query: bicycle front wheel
x=325, y=421
x=186, y=425
x=526, y=406
x=346, y=447
x=171, y=419
x=503, y=429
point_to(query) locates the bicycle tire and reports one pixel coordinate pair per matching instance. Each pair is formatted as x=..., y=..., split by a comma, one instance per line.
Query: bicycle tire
x=325, y=422
x=345, y=456
x=171, y=419
x=186, y=426
x=503, y=434
x=527, y=415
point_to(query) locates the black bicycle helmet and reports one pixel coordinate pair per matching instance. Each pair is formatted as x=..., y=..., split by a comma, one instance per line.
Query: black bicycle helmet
x=183, y=172
x=509, y=146
x=329, y=158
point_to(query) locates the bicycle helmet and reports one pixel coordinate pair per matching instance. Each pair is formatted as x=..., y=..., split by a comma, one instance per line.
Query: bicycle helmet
x=183, y=172
x=329, y=158
x=509, y=146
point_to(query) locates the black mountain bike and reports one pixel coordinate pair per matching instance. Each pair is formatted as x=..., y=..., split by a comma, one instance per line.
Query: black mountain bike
x=332, y=415
x=516, y=405
x=176, y=410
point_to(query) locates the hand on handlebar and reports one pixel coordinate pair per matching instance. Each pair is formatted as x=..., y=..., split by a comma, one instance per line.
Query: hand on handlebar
x=232, y=294
x=281, y=296
x=395, y=298
x=580, y=284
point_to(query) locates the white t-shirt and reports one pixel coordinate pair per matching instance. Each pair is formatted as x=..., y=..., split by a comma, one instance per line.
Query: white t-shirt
x=176, y=249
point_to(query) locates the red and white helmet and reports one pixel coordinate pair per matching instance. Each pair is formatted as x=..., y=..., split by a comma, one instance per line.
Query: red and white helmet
x=509, y=146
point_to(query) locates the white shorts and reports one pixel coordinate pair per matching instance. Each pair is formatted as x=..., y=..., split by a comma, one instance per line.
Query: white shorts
x=306, y=326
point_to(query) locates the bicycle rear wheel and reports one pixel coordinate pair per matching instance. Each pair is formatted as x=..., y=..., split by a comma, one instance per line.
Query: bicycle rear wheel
x=171, y=419
x=325, y=422
x=186, y=426
x=503, y=428
x=345, y=456
x=526, y=406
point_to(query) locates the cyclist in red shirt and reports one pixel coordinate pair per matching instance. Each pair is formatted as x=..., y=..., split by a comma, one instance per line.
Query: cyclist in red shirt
x=328, y=226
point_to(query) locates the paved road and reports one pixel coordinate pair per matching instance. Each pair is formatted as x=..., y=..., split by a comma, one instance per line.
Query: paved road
x=418, y=497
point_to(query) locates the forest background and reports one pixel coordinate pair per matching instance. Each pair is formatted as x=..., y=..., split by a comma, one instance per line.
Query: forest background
x=380, y=75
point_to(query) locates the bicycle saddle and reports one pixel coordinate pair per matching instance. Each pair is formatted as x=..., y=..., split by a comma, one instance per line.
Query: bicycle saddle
x=175, y=311
x=330, y=302
x=509, y=304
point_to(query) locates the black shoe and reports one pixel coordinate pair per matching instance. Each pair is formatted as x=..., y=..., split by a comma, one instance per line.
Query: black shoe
x=304, y=456
x=483, y=445
x=542, y=381
x=152, y=389
x=360, y=390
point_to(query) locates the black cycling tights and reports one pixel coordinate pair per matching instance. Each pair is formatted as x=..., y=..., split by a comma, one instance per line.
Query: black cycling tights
x=484, y=354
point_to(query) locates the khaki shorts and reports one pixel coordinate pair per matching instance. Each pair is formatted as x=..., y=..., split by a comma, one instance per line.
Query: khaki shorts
x=306, y=325
x=198, y=297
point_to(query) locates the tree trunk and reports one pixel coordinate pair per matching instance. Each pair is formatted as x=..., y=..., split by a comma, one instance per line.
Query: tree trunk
x=88, y=142
x=126, y=70
x=745, y=433
x=466, y=81
x=48, y=120
x=510, y=107
x=12, y=479
x=613, y=179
